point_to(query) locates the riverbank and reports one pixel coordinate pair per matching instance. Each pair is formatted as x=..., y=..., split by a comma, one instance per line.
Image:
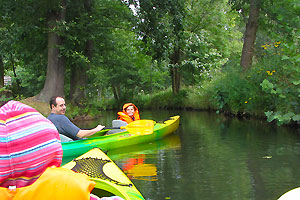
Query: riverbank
x=186, y=99
x=42, y=107
x=45, y=110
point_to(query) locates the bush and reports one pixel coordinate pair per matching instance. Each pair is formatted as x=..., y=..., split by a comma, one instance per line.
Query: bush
x=270, y=87
x=231, y=91
x=167, y=100
x=280, y=80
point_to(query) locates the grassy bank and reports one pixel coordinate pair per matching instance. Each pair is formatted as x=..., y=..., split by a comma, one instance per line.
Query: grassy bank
x=231, y=94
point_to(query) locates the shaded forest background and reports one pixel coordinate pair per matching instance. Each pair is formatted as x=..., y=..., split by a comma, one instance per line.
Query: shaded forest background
x=234, y=56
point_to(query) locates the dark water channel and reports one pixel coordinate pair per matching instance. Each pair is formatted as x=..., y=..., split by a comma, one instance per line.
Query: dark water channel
x=212, y=157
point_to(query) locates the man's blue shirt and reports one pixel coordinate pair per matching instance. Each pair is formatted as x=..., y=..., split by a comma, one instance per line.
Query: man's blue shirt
x=64, y=126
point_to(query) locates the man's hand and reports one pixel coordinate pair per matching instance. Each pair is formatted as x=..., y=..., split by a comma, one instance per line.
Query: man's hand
x=98, y=128
x=86, y=133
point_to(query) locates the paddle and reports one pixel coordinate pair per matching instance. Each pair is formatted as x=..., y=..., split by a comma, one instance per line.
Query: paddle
x=139, y=127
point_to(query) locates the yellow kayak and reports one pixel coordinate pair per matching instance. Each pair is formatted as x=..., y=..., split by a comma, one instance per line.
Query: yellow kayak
x=109, y=178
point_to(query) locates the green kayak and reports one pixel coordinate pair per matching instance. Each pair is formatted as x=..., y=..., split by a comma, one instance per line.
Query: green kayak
x=121, y=139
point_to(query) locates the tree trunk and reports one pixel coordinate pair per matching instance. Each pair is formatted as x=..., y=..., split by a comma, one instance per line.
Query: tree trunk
x=79, y=75
x=175, y=74
x=116, y=92
x=1, y=73
x=54, y=84
x=250, y=35
x=77, y=84
x=15, y=74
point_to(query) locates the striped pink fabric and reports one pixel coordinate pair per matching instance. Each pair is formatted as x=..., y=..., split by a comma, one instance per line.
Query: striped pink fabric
x=29, y=143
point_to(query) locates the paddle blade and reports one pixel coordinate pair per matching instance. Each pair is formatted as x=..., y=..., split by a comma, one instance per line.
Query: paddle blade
x=140, y=127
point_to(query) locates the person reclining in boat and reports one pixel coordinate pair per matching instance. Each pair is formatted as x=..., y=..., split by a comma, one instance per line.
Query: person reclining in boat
x=64, y=126
x=31, y=155
x=129, y=114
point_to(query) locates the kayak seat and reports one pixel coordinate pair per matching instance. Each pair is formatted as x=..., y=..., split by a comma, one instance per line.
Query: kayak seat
x=64, y=138
x=117, y=123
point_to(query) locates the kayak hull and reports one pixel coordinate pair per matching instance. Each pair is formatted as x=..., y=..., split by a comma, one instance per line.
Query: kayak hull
x=107, y=175
x=118, y=140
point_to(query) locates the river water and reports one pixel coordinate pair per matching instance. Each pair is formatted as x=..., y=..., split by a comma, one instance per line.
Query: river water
x=211, y=157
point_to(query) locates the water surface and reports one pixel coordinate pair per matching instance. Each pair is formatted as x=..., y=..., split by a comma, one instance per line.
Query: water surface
x=212, y=157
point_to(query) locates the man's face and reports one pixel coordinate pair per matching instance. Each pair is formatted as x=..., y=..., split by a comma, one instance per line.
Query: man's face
x=60, y=108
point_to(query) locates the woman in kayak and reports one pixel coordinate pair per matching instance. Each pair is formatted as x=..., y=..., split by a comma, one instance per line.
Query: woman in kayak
x=31, y=153
x=129, y=114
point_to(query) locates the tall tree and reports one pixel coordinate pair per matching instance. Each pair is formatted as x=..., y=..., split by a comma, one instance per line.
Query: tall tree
x=90, y=25
x=160, y=24
x=211, y=39
x=5, y=22
x=20, y=38
x=82, y=12
x=177, y=19
x=251, y=7
x=121, y=66
x=250, y=35
x=274, y=17
x=54, y=84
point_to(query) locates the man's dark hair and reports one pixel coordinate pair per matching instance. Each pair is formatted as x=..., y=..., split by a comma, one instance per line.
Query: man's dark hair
x=53, y=101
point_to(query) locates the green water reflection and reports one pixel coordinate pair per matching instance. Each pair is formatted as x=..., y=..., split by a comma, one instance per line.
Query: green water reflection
x=213, y=157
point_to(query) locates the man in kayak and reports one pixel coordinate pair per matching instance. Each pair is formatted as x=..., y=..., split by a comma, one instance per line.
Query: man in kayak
x=64, y=126
x=129, y=114
x=31, y=155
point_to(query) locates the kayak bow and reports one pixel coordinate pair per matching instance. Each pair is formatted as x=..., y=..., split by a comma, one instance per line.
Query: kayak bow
x=109, y=178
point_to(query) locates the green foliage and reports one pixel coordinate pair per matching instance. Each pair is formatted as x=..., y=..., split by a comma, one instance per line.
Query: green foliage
x=5, y=95
x=154, y=76
x=201, y=58
x=124, y=68
x=141, y=100
x=230, y=91
x=169, y=27
x=271, y=86
x=160, y=26
x=31, y=82
x=282, y=118
x=167, y=100
x=202, y=38
x=280, y=81
x=214, y=23
x=104, y=103
x=159, y=23
x=85, y=109
x=74, y=111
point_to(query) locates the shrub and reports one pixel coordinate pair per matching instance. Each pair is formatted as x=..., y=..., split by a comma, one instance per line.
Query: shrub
x=280, y=80
x=231, y=91
x=167, y=100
